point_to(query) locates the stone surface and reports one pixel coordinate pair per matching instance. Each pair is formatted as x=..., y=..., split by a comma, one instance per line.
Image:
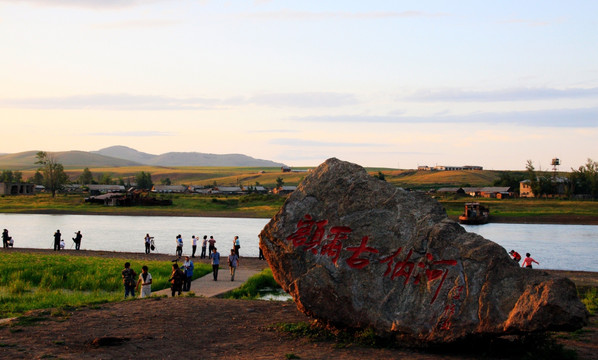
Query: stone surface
x=355, y=251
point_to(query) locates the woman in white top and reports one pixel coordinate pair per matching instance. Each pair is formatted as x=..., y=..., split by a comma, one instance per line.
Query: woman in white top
x=145, y=281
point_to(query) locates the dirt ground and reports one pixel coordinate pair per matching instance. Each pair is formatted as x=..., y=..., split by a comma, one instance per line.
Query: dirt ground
x=207, y=328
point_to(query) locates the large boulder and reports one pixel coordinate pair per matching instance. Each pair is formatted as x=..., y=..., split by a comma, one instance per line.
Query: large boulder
x=355, y=251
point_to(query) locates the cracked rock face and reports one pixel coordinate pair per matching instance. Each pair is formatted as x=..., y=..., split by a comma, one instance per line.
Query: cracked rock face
x=355, y=251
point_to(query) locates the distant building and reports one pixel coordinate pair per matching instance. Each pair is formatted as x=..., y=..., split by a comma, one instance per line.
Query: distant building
x=179, y=189
x=424, y=168
x=284, y=190
x=17, y=189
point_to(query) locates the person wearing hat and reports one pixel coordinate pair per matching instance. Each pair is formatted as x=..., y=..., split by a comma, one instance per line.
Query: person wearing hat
x=515, y=256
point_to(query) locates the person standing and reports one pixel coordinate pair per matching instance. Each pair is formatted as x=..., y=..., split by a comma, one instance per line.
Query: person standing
x=145, y=282
x=211, y=246
x=179, y=245
x=194, y=245
x=176, y=279
x=204, y=243
x=77, y=240
x=215, y=263
x=57, y=236
x=527, y=262
x=148, y=243
x=237, y=245
x=129, y=282
x=233, y=262
x=188, y=269
x=5, y=238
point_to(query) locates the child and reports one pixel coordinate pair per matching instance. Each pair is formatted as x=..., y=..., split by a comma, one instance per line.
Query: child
x=527, y=262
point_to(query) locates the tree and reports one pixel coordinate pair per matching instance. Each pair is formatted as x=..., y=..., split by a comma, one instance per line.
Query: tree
x=512, y=180
x=144, y=180
x=54, y=175
x=279, y=182
x=17, y=177
x=166, y=181
x=7, y=176
x=86, y=177
x=106, y=179
x=37, y=178
x=584, y=180
x=533, y=178
x=380, y=176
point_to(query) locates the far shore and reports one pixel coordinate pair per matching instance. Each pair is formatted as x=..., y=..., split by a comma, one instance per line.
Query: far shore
x=563, y=219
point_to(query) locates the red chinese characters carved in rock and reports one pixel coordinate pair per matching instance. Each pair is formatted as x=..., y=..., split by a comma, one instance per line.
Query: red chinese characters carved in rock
x=311, y=234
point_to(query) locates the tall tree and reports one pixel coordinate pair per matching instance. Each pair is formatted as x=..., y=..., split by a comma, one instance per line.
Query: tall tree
x=279, y=182
x=54, y=175
x=533, y=178
x=86, y=177
x=144, y=180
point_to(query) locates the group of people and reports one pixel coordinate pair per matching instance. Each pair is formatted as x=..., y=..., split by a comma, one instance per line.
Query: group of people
x=131, y=282
x=59, y=241
x=527, y=262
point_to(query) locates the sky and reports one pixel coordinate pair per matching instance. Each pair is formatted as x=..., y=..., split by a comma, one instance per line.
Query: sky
x=394, y=84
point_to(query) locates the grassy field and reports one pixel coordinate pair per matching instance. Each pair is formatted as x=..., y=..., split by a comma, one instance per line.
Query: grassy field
x=265, y=206
x=33, y=281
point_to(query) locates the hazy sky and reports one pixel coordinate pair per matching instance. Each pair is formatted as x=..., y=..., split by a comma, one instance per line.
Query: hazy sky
x=379, y=83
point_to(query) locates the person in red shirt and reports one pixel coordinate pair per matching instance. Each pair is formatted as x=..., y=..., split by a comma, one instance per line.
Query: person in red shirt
x=527, y=262
x=515, y=256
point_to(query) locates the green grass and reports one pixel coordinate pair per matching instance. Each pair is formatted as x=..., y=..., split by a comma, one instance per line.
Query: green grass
x=589, y=297
x=524, y=207
x=251, y=288
x=29, y=281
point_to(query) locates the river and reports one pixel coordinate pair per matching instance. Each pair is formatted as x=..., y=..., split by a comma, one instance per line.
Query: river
x=560, y=247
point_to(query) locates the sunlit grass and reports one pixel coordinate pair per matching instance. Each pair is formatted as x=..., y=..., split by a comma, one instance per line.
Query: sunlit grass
x=33, y=281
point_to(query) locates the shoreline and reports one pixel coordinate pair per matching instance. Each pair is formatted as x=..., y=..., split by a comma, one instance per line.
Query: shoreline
x=581, y=278
x=535, y=219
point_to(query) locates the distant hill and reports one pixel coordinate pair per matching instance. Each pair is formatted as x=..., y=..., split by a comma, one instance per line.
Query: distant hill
x=69, y=159
x=122, y=156
x=185, y=158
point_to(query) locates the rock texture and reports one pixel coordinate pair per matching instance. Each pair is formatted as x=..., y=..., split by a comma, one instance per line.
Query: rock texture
x=355, y=251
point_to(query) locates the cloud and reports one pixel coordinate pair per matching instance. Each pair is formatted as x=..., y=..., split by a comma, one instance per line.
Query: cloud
x=130, y=102
x=133, y=133
x=313, y=143
x=308, y=15
x=310, y=99
x=88, y=4
x=137, y=24
x=513, y=94
x=112, y=102
x=559, y=118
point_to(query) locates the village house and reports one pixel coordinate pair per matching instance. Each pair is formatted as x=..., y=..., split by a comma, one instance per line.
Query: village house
x=169, y=189
x=17, y=189
x=103, y=189
x=284, y=190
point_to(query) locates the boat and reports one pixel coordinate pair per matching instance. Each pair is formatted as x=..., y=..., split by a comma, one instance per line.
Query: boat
x=475, y=214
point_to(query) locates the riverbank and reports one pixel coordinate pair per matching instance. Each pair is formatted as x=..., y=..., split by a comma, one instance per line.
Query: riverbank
x=216, y=328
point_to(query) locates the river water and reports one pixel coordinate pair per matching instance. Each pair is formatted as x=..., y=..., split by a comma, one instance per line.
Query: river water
x=562, y=247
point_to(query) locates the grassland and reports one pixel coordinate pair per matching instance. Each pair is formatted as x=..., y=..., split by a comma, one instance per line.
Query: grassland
x=34, y=281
